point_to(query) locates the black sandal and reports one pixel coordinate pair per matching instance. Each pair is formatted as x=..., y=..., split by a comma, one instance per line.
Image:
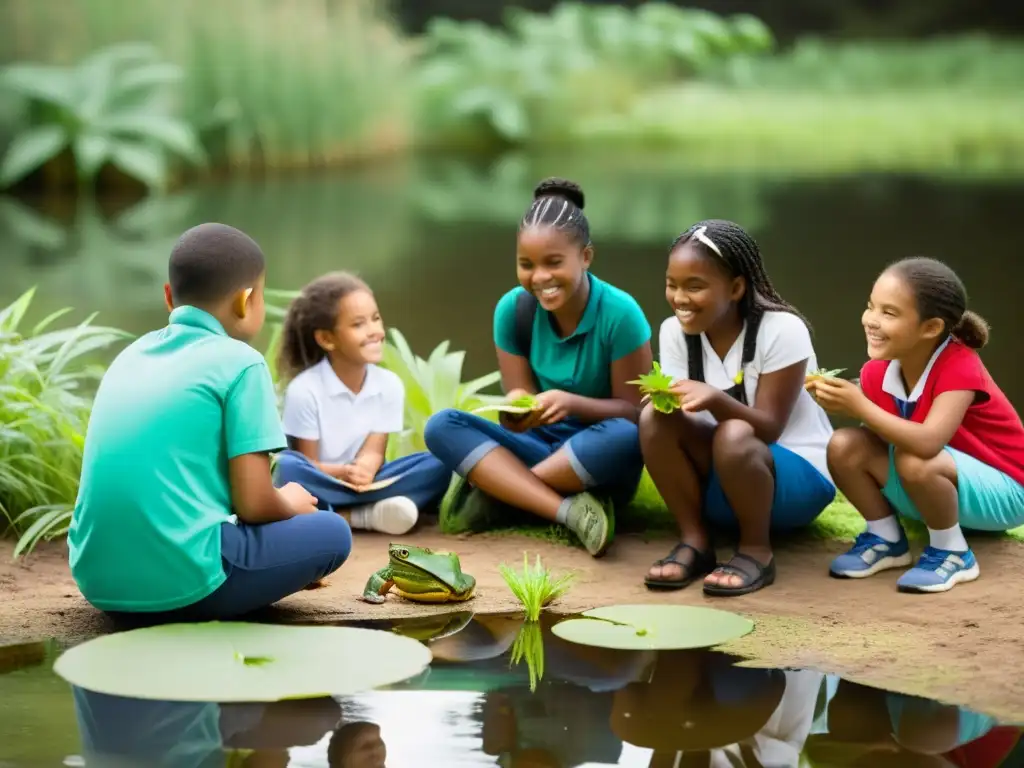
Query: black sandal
x=703, y=564
x=754, y=576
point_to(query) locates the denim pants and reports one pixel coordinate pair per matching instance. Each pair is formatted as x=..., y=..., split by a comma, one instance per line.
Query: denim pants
x=263, y=564
x=605, y=456
x=424, y=480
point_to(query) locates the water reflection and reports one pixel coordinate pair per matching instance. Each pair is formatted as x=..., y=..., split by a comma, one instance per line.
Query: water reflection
x=592, y=707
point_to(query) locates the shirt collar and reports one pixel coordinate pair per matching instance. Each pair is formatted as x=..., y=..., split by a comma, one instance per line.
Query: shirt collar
x=197, y=318
x=589, y=317
x=334, y=386
x=892, y=382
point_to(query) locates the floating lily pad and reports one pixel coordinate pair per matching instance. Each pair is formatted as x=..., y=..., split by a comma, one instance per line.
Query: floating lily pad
x=237, y=661
x=653, y=627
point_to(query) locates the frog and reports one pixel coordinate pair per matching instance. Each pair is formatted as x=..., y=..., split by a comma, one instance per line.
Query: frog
x=422, y=575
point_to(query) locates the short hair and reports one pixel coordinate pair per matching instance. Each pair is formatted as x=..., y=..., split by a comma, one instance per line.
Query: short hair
x=211, y=261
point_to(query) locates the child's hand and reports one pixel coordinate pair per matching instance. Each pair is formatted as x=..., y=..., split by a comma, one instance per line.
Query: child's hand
x=299, y=500
x=556, y=406
x=357, y=475
x=839, y=396
x=695, y=396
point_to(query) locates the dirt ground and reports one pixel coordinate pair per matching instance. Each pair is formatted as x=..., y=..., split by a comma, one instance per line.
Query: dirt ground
x=965, y=646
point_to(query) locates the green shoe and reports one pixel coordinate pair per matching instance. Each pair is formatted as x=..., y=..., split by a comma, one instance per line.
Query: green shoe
x=591, y=522
x=467, y=509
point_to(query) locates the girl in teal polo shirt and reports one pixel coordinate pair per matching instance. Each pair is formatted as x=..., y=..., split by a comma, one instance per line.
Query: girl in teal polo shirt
x=574, y=341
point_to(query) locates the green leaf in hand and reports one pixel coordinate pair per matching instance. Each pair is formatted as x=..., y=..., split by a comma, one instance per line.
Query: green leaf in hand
x=657, y=385
x=520, y=405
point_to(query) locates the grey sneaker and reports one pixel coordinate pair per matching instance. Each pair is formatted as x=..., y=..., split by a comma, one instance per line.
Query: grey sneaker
x=591, y=522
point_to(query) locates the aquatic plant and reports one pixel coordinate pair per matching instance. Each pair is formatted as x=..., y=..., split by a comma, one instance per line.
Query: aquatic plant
x=657, y=385
x=239, y=661
x=266, y=84
x=112, y=107
x=47, y=377
x=480, y=82
x=529, y=646
x=653, y=627
x=534, y=587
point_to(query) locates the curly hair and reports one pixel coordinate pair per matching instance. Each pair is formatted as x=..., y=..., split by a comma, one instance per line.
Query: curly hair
x=315, y=309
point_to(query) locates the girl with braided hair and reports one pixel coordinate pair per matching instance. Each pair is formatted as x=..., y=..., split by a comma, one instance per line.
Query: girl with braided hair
x=746, y=449
x=340, y=409
x=939, y=441
x=575, y=342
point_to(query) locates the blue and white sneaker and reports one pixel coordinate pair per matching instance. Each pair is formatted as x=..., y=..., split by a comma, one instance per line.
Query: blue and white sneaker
x=939, y=570
x=871, y=554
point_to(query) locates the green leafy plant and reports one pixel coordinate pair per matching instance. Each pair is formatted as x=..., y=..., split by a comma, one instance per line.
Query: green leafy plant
x=824, y=373
x=521, y=404
x=431, y=385
x=657, y=385
x=111, y=107
x=46, y=381
x=534, y=586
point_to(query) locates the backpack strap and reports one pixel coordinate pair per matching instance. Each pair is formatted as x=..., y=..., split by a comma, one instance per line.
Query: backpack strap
x=526, y=308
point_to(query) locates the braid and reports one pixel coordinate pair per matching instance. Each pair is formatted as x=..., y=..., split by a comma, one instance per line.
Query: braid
x=558, y=203
x=314, y=309
x=742, y=257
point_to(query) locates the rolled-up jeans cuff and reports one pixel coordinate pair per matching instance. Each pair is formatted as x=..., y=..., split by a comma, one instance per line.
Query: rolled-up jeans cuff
x=473, y=457
x=577, y=466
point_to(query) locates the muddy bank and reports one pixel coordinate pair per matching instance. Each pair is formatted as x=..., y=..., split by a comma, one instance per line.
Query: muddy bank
x=965, y=646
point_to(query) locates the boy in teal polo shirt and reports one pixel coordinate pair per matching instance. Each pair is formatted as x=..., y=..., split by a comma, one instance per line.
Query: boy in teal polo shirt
x=179, y=443
x=577, y=341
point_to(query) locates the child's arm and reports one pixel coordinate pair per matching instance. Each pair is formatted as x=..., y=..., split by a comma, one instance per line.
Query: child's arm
x=372, y=452
x=776, y=396
x=255, y=499
x=311, y=450
x=252, y=430
x=924, y=440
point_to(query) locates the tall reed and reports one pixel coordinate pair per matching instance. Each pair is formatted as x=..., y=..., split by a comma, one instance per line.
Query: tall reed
x=270, y=83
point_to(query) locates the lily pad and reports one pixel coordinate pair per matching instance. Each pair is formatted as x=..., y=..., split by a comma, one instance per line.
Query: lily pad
x=653, y=627
x=238, y=661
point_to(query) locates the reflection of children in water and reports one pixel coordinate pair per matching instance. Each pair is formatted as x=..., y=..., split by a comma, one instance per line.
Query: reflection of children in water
x=698, y=709
x=356, y=745
x=871, y=727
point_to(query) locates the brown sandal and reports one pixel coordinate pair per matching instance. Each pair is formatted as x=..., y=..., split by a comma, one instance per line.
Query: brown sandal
x=754, y=576
x=703, y=564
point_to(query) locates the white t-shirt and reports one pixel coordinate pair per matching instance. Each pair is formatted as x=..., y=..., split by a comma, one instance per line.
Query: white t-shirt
x=782, y=340
x=318, y=406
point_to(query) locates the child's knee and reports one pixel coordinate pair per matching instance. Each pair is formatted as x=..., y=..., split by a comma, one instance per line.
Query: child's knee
x=913, y=470
x=652, y=425
x=438, y=429
x=848, y=447
x=289, y=466
x=335, y=534
x=736, y=444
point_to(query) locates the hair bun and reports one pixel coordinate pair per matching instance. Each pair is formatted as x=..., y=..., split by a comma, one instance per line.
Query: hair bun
x=567, y=190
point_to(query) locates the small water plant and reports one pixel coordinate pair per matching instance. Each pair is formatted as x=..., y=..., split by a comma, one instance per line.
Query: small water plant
x=534, y=586
x=657, y=386
x=529, y=646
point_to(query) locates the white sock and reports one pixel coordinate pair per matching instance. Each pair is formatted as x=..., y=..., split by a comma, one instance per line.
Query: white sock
x=950, y=538
x=887, y=528
x=394, y=516
x=562, y=515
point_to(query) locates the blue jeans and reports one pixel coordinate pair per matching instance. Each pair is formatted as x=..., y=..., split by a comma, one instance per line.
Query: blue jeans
x=605, y=456
x=424, y=480
x=263, y=564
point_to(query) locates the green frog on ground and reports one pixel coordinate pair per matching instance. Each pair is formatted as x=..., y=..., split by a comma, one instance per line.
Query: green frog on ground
x=422, y=575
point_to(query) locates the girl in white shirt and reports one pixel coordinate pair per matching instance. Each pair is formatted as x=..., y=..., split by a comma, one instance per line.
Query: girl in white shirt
x=746, y=449
x=340, y=407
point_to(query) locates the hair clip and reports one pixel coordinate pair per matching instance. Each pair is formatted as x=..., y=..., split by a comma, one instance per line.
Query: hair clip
x=699, y=234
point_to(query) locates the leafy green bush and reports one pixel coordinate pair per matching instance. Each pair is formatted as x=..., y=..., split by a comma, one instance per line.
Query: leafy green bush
x=271, y=84
x=549, y=70
x=110, y=108
x=46, y=379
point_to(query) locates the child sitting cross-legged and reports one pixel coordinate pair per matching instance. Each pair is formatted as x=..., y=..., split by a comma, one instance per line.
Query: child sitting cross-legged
x=177, y=518
x=939, y=441
x=340, y=408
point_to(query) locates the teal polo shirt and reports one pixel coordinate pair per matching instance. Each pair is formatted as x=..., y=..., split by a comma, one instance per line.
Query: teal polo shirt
x=172, y=409
x=612, y=326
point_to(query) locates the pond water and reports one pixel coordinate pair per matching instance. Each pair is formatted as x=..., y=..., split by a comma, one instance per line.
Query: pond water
x=435, y=238
x=474, y=706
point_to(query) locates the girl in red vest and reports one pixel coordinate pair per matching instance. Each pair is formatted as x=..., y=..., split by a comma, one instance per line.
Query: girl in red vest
x=939, y=441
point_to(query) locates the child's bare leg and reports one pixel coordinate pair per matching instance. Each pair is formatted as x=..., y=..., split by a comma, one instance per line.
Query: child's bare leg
x=745, y=468
x=502, y=476
x=859, y=464
x=677, y=453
